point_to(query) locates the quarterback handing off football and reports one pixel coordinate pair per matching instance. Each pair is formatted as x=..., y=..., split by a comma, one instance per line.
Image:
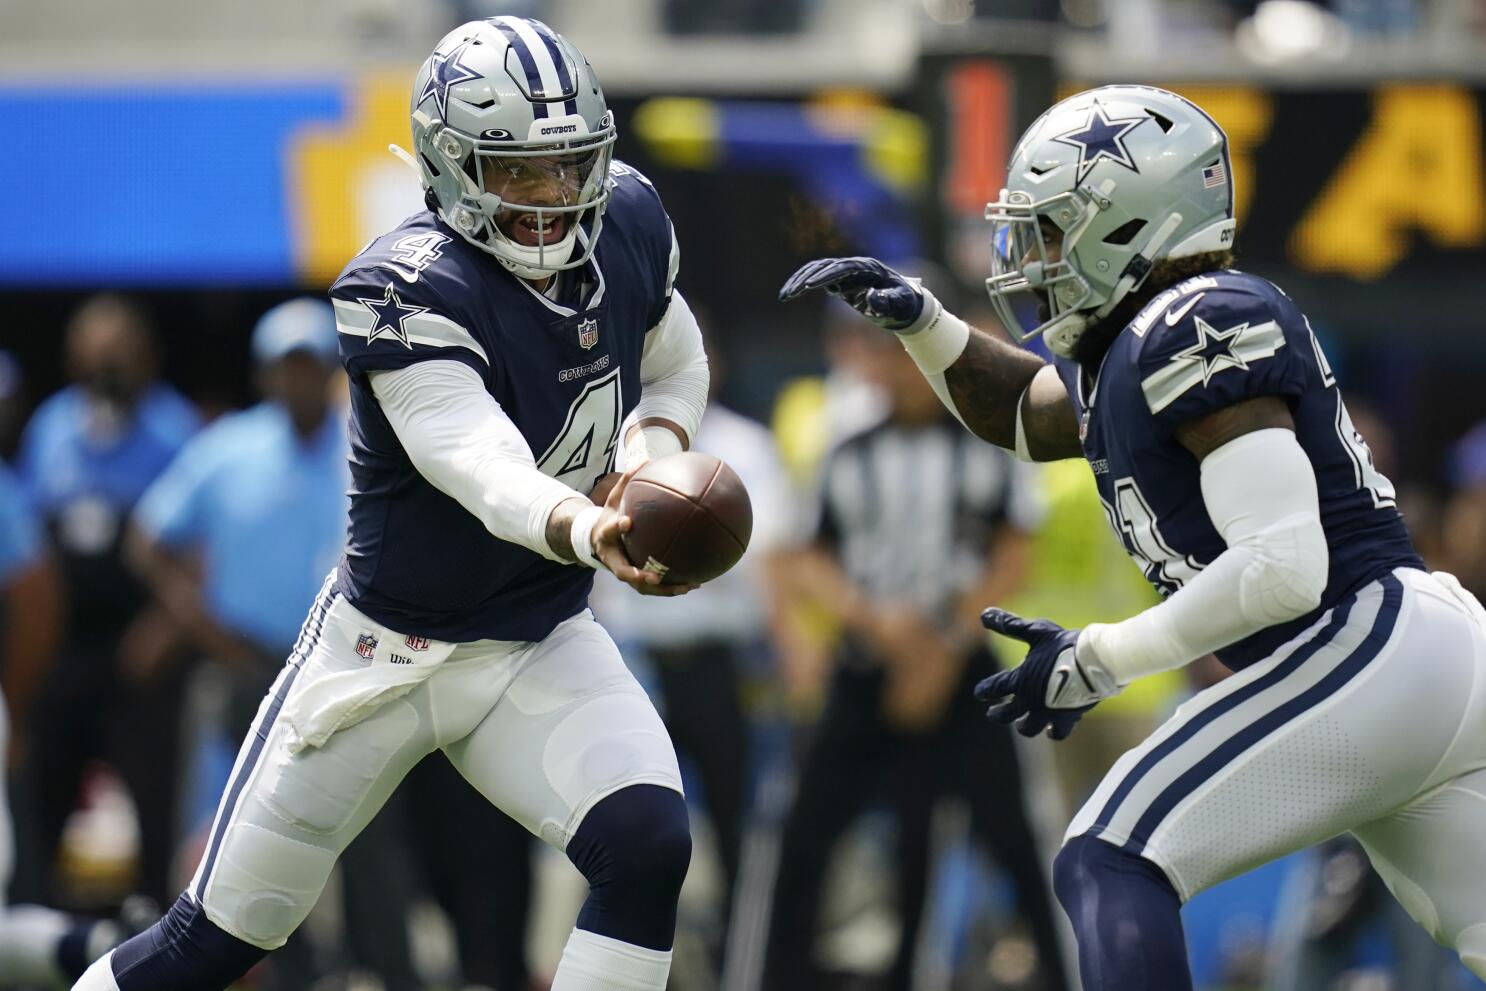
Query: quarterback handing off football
x=691, y=518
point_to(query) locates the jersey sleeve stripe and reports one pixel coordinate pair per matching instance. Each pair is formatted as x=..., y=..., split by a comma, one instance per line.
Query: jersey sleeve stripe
x=1168, y=384
x=428, y=329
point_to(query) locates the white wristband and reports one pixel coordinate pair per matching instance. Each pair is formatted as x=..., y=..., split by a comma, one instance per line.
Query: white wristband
x=1021, y=450
x=937, y=339
x=581, y=536
x=649, y=443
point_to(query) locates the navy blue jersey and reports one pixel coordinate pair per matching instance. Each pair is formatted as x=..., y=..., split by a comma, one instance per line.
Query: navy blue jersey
x=565, y=370
x=1204, y=344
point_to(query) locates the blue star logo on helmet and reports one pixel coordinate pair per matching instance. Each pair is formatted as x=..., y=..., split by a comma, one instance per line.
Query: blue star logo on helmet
x=1102, y=138
x=446, y=72
x=390, y=313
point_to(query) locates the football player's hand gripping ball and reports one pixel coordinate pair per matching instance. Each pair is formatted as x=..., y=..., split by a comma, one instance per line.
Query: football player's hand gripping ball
x=882, y=295
x=1050, y=690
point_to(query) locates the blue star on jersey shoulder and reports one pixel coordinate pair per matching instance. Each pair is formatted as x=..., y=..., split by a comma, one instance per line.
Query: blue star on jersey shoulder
x=1213, y=351
x=1102, y=137
x=447, y=71
x=391, y=314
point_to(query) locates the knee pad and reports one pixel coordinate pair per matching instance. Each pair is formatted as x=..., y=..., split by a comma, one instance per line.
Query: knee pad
x=634, y=848
x=185, y=951
x=264, y=885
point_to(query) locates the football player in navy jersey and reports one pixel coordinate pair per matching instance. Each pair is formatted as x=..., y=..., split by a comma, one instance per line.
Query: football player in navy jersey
x=1231, y=472
x=505, y=348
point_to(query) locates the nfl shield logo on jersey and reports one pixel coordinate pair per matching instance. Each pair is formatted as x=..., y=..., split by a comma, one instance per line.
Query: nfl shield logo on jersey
x=366, y=645
x=416, y=643
x=588, y=333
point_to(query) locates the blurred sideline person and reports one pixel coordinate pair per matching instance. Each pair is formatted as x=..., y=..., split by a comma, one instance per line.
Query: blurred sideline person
x=12, y=403
x=919, y=526
x=86, y=456
x=704, y=649
x=1465, y=511
x=38, y=946
x=529, y=308
x=1235, y=478
x=235, y=538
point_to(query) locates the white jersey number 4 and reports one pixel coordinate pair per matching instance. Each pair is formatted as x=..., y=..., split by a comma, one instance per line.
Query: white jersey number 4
x=584, y=448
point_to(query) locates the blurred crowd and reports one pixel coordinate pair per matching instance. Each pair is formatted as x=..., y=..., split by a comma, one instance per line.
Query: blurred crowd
x=860, y=824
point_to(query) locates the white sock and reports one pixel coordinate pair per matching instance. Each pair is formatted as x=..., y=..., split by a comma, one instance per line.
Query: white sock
x=29, y=935
x=591, y=962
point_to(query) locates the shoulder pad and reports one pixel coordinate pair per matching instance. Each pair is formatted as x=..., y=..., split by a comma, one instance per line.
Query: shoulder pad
x=1213, y=336
x=636, y=206
x=387, y=322
x=410, y=251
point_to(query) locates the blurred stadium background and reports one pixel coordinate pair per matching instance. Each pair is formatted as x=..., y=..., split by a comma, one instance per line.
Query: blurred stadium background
x=208, y=160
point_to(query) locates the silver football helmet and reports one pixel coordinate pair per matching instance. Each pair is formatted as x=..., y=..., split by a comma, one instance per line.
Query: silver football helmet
x=512, y=139
x=1128, y=175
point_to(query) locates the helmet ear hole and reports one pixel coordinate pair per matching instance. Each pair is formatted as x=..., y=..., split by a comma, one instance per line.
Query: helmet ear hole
x=1125, y=233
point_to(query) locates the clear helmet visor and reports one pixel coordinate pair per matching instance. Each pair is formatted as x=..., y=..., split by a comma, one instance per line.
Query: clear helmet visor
x=535, y=203
x=1032, y=287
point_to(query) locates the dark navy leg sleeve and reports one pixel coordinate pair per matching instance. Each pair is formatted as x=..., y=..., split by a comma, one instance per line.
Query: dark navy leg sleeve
x=633, y=847
x=1127, y=918
x=184, y=951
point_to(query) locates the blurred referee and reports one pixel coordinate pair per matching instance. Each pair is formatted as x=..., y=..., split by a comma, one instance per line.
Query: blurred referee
x=920, y=527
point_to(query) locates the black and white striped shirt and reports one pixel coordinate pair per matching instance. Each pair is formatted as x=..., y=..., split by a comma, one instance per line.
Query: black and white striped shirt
x=911, y=511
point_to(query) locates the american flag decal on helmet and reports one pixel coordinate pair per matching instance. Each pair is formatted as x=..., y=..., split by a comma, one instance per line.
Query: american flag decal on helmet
x=1214, y=175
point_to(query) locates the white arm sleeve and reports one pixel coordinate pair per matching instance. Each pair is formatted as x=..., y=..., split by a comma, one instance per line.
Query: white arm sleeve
x=935, y=341
x=1260, y=491
x=674, y=379
x=460, y=439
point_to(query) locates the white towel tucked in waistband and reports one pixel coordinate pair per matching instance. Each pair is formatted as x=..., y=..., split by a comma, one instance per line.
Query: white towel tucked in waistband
x=333, y=700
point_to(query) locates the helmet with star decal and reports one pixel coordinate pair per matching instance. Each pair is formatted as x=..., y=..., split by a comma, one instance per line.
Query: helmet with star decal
x=512, y=139
x=1100, y=188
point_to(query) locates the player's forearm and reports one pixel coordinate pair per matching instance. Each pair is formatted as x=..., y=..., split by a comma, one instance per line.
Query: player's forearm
x=987, y=383
x=1260, y=491
x=460, y=440
x=980, y=378
x=560, y=527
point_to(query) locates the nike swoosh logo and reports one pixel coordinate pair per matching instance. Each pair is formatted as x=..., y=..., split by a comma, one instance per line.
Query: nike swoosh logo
x=1175, y=316
x=1062, y=681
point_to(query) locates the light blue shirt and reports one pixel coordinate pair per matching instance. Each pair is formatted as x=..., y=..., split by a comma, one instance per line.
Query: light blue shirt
x=20, y=531
x=86, y=472
x=265, y=510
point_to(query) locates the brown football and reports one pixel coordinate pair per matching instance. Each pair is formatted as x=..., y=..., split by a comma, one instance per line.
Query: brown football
x=691, y=518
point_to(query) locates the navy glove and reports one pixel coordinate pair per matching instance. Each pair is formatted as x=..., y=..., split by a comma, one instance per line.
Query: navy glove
x=885, y=297
x=1049, y=690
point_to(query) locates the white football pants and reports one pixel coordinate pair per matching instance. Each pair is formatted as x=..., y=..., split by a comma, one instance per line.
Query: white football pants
x=544, y=730
x=1373, y=721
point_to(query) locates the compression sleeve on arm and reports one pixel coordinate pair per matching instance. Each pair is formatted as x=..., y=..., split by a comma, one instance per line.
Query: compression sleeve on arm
x=460, y=439
x=935, y=341
x=674, y=380
x=1260, y=492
